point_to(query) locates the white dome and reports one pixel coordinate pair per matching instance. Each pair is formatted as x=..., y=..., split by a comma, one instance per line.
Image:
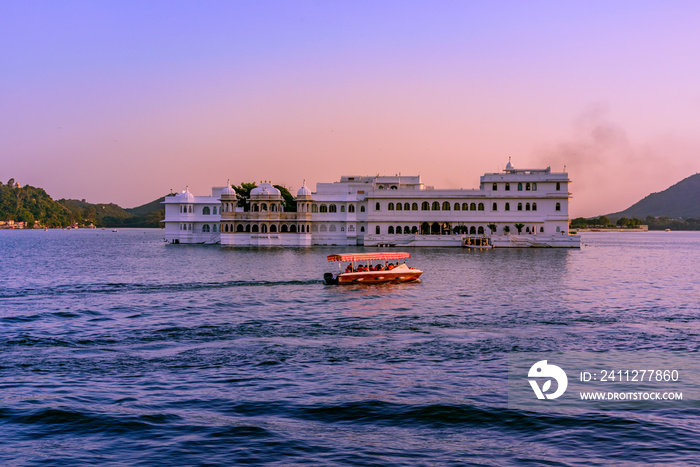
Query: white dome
x=265, y=189
x=509, y=166
x=185, y=195
x=228, y=190
x=304, y=191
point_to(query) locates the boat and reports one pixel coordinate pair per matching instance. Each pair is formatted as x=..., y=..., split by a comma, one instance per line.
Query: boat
x=477, y=242
x=667, y=230
x=371, y=268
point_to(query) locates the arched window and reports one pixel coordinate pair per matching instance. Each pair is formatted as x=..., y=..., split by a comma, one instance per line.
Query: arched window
x=558, y=186
x=205, y=228
x=390, y=207
x=465, y=206
x=557, y=207
x=377, y=230
x=406, y=230
x=189, y=209
x=323, y=208
x=527, y=206
x=407, y=206
x=435, y=206
x=263, y=207
x=256, y=229
x=362, y=208
x=495, y=187
x=399, y=207
x=342, y=228
x=494, y=207
x=205, y=210
x=414, y=207
x=472, y=230
x=362, y=228
x=391, y=230
x=293, y=228
x=273, y=207
x=263, y=228
x=527, y=186
x=520, y=206
x=445, y=206
x=213, y=228
x=314, y=228
x=332, y=228
x=424, y=228
x=351, y=228
x=520, y=187
x=342, y=208
x=507, y=186
x=541, y=229
x=435, y=229
x=480, y=231
x=414, y=229
x=256, y=208
x=394, y=187
x=332, y=208
x=213, y=210
x=239, y=228
x=534, y=186
x=456, y=206
x=323, y=228
x=507, y=208
x=351, y=208
x=534, y=206
x=472, y=207
x=425, y=206
x=558, y=229
x=273, y=228
x=314, y=208
x=481, y=206
x=377, y=207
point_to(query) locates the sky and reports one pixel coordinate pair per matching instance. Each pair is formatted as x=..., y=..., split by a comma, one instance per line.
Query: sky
x=124, y=101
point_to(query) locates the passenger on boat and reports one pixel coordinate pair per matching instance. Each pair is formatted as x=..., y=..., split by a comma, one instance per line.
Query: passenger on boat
x=390, y=267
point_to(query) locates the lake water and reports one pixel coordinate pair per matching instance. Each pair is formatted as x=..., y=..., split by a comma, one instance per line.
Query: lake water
x=117, y=349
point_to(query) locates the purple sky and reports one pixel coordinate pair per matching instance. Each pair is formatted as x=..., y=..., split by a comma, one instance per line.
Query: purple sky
x=121, y=101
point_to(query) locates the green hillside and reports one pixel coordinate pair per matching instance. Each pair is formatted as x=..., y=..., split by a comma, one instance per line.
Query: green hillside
x=681, y=201
x=31, y=205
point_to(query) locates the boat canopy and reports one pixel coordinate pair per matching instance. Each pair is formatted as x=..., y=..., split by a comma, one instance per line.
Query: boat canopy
x=368, y=257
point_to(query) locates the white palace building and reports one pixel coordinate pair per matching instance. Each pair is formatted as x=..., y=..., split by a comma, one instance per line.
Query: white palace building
x=515, y=208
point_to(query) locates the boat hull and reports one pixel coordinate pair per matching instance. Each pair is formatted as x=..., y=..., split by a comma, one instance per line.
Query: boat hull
x=374, y=277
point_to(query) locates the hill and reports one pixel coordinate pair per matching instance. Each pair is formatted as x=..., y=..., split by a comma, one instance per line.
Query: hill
x=111, y=215
x=33, y=206
x=680, y=201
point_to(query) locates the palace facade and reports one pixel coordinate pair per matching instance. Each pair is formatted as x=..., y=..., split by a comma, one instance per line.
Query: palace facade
x=515, y=208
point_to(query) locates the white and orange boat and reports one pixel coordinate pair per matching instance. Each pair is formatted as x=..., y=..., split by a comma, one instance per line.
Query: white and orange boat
x=371, y=268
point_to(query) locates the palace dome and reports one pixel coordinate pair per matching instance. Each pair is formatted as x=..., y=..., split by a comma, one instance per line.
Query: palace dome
x=228, y=190
x=265, y=189
x=304, y=190
x=185, y=195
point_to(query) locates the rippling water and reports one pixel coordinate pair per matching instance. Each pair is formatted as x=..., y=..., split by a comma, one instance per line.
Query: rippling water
x=118, y=349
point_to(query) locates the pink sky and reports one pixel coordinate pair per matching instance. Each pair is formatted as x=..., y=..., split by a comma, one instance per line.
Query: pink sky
x=123, y=101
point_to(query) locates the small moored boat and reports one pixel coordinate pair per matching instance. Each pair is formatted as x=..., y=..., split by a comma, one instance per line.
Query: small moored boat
x=371, y=268
x=477, y=242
